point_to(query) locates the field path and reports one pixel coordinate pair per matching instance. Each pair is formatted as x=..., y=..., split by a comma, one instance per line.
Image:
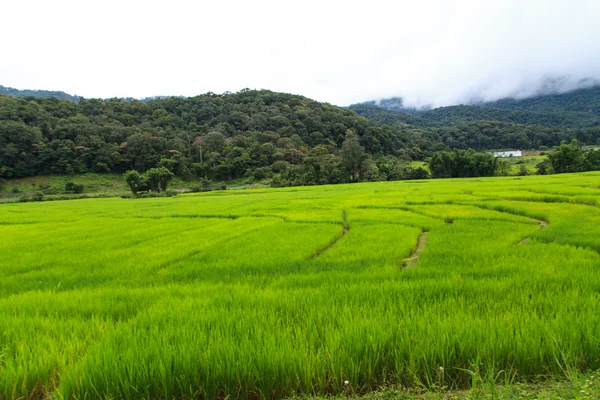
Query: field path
x=345, y=230
x=415, y=254
x=542, y=224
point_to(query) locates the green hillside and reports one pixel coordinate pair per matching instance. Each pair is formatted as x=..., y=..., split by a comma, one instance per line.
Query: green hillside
x=575, y=109
x=260, y=134
x=220, y=137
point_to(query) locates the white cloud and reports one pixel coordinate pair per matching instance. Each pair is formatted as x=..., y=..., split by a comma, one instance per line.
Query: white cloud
x=431, y=52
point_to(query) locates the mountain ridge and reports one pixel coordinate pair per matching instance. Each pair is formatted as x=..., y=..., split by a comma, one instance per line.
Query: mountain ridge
x=42, y=94
x=579, y=108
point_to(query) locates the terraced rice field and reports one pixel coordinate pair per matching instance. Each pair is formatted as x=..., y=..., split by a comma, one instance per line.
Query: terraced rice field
x=272, y=293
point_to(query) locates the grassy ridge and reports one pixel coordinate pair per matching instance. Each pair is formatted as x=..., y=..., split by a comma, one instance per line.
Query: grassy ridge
x=274, y=293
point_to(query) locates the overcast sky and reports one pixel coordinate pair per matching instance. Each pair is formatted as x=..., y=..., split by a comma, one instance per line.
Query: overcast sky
x=342, y=52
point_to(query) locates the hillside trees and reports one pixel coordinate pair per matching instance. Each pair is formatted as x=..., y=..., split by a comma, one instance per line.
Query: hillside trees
x=158, y=179
x=215, y=136
x=592, y=160
x=134, y=181
x=144, y=150
x=155, y=179
x=572, y=158
x=19, y=146
x=462, y=164
x=567, y=158
x=253, y=134
x=353, y=155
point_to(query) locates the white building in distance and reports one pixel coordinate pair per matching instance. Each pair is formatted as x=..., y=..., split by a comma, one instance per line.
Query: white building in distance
x=505, y=154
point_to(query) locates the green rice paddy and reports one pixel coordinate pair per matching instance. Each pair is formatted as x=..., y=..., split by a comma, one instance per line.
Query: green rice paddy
x=312, y=291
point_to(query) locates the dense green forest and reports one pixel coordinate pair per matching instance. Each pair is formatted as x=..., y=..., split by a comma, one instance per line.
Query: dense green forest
x=479, y=134
x=259, y=134
x=218, y=137
x=527, y=123
x=575, y=109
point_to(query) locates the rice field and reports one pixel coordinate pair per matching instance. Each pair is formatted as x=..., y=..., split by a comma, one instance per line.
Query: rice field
x=301, y=291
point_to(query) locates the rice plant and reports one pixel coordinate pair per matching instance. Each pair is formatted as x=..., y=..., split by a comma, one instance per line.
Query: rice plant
x=274, y=293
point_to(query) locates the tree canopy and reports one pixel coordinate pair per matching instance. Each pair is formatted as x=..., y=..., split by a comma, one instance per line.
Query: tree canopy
x=216, y=136
x=260, y=133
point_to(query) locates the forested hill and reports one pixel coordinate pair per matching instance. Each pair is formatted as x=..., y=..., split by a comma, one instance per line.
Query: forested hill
x=576, y=109
x=220, y=136
x=249, y=134
x=582, y=100
x=44, y=94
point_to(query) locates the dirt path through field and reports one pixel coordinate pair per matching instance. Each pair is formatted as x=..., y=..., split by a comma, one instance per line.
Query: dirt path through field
x=345, y=230
x=414, y=256
x=542, y=225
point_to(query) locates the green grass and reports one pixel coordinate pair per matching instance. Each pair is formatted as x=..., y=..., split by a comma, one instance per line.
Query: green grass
x=514, y=164
x=95, y=185
x=110, y=185
x=273, y=293
x=419, y=164
x=106, y=184
x=528, y=161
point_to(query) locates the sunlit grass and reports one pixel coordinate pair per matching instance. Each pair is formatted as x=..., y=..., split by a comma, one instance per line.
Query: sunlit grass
x=274, y=293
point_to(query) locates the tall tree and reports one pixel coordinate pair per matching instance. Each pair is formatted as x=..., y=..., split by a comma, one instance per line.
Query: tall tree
x=567, y=158
x=353, y=155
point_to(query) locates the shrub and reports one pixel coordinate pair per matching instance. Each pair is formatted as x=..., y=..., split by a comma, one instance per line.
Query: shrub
x=205, y=184
x=37, y=196
x=544, y=167
x=417, y=173
x=158, y=178
x=279, y=182
x=134, y=181
x=71, y=187
x=523, y=171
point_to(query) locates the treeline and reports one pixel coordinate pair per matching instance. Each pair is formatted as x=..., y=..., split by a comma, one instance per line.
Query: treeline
x=570, y=158
x=465, y=164
x=219, y=137
x=486, y=135
x=459, y=163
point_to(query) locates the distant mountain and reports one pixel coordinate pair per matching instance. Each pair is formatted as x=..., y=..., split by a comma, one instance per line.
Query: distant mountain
x=576, y=109
x=582, y=100
x=385, y=116
x=44, y=94
x=396, y=104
